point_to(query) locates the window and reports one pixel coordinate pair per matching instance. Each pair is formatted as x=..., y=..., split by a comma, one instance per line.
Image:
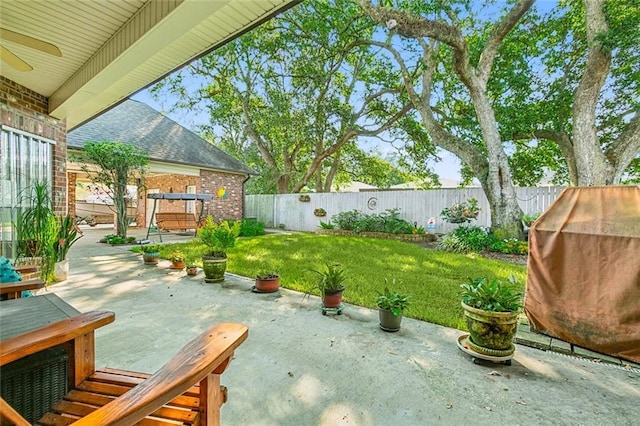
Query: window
x=24, y=160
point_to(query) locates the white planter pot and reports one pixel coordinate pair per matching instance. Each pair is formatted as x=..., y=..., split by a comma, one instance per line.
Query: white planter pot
x=61, y=270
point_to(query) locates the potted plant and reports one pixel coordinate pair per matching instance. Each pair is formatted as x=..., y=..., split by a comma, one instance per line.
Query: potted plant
x=267, y=282
x=68, y=234
x=151, y=254
x=391, y=306
x=331, y=285
x=218, y=237
x=304, y=198
x=177, y=259
x=462, y=212
x=491, y=311
x=320, y=212
x=192, y=268
x=37, y=228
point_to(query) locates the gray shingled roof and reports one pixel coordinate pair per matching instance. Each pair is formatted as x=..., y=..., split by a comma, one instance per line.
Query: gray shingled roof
x=162, y=138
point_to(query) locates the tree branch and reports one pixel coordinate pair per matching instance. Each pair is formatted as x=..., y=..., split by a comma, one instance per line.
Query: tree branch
x=497, y=35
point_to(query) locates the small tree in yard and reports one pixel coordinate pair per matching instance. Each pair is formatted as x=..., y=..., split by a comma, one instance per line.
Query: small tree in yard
x=113, y=165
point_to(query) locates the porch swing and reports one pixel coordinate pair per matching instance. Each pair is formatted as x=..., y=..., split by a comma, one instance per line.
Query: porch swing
x=175, y=220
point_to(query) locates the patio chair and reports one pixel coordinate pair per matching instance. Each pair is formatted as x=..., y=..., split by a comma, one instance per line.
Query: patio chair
x=186, y=390
x=11, y=284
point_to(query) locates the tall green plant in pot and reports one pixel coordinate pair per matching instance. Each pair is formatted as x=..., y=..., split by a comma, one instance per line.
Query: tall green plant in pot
x=331, y=285
x=491, y=311
x=37, y=228
x=68, y=234
x=218, y=237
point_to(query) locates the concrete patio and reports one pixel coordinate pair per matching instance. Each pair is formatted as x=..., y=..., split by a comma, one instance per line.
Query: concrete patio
x=301, y=368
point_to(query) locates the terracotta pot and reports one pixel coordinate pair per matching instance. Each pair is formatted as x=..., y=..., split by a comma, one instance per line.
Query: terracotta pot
x=389, y=321
x=178, y=265
x=491, y=330
x=332, y=298
x=192, y=270
x=267, y=285
x=214, y=268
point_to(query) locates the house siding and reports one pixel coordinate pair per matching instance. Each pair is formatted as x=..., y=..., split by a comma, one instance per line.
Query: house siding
x=26, y=110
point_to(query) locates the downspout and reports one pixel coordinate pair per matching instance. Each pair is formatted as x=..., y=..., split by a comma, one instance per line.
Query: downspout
x=244, y=199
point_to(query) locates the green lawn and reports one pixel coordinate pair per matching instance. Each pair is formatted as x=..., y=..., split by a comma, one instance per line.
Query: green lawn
x=432, y=278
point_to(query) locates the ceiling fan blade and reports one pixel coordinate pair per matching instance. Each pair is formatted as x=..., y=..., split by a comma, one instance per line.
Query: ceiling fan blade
x=31, y=42
x=13, y=61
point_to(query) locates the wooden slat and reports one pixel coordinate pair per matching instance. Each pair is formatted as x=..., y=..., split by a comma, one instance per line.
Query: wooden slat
x=80, y=408
x=110, y=375
x=50, y=419
x=118, y=390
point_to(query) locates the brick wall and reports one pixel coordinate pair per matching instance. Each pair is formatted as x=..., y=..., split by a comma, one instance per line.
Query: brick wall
x=26, y=110
x=226, y=189
x=227, y=192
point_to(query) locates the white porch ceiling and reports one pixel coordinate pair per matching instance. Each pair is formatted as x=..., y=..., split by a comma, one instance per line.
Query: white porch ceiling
x=113, y=48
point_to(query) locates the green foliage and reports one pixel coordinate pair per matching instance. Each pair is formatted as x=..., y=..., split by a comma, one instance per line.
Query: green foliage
x=115, y=240
x=508, y=246
x=114, y=165
x=392, y=301
x=463, y=212
x=267, y=275
x=492, y=296
x=67, y=235
x=465, y=239
x=37, y=228
x=528, y=219
x=219, y=237
x=151, y=248
x=389, y=221
x=177, y=256
x=332, y=278
x=326, y=225
x=249, y=227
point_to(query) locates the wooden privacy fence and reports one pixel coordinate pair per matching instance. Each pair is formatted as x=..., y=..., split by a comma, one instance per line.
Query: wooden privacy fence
x=416, y=206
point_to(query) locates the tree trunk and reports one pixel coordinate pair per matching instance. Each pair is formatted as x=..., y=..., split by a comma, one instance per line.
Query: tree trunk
x=593, y=166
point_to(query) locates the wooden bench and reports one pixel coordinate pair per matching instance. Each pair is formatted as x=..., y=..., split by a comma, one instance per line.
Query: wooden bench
x=176, y=221
x=186, y=390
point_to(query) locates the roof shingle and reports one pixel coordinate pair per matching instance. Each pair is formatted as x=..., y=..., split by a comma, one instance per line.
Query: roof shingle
x=160, y=137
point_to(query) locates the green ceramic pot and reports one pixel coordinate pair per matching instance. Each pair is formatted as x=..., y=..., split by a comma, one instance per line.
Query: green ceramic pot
x=491, y=330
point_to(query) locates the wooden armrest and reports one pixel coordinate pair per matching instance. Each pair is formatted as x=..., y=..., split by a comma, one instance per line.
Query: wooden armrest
x=52, y=335
x=208, y=353
x=13, y=287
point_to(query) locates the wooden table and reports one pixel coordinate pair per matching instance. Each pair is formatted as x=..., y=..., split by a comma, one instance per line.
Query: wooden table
x=18, y=316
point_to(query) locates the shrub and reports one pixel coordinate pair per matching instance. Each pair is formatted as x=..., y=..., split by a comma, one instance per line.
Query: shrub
x=508, y=246
x=389, y=221
x=251, y=228
x=326, y=225
x=347, y=220
x=465, y=239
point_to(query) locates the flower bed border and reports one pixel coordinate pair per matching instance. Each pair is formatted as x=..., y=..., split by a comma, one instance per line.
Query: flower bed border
x=380, y=235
